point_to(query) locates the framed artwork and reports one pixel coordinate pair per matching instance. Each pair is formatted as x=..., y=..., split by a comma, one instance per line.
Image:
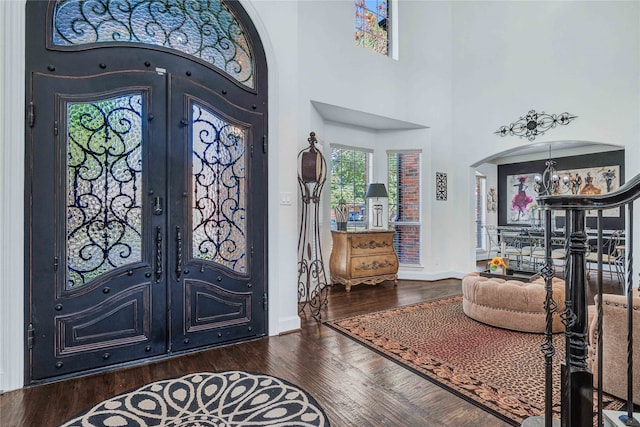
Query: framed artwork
x=591, y=181
x=594, y=173
x=521, y=190
x=521, y=196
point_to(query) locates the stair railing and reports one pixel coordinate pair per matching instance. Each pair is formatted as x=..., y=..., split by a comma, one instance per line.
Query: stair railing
x=577, y=406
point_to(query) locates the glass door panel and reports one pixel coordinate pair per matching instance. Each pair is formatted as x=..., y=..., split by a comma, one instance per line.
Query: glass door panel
x=219, y=214
x=104, y=187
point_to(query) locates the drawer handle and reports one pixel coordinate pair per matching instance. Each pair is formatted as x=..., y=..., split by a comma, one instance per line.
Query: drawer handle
x=370, y=245
x=375, y=265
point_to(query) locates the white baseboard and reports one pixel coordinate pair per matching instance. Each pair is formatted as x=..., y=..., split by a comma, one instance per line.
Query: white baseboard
x=408, y=275
x=286, y=324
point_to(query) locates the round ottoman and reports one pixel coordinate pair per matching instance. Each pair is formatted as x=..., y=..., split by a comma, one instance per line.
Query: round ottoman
x=511, y=304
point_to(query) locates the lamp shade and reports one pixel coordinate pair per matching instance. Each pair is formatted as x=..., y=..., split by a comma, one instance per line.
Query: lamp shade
x=377, y=207
x=376, y=190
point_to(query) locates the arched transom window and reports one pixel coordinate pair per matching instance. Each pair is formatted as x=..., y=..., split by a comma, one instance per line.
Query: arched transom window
x=204, y=29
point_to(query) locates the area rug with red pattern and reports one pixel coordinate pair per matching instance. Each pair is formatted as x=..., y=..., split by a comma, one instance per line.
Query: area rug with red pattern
x=499, y=370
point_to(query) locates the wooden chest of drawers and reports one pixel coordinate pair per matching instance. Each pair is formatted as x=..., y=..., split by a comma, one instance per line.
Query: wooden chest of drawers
x=363, y=257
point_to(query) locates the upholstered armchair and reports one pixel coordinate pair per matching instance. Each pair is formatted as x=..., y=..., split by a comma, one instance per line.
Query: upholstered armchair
x=614, y=333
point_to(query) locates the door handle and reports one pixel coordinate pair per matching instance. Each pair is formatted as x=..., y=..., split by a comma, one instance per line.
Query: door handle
x=178, y=253
x=158, y=254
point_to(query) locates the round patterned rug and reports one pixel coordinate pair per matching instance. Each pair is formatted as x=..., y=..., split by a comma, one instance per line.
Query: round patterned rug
x=220, y=399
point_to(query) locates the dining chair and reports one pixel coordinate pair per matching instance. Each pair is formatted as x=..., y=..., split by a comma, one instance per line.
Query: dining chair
x=558, y=253
x=493, y=243
x=612, y=256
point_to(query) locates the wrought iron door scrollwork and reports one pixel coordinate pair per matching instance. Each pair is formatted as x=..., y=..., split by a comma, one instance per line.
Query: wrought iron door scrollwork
x=104, y=186
x=219, y=190
x=207, y=30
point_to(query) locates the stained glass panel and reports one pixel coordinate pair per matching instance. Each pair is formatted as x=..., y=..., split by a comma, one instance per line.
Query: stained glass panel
x=372, y=25
x=205, y=29
x=104, y=176
x=219, y=190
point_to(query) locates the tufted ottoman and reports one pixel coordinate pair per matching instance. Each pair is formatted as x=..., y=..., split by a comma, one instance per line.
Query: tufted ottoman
x=510, y=304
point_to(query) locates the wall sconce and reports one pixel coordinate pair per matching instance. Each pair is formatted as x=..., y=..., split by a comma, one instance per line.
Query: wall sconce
x=378, y=207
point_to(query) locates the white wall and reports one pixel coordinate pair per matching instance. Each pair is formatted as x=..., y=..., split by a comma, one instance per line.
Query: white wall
x=573, y=56
x=12, y=330
x=580, y=57
x=3, y=61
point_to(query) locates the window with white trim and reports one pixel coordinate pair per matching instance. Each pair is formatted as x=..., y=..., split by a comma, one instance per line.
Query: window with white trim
x=480, y=196
x=350, y=175
x=404, y=204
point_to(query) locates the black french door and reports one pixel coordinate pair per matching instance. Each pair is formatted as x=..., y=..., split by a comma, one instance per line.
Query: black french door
x=217, y=199
x=147, y=226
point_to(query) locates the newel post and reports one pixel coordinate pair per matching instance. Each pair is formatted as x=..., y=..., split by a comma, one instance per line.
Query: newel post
x=577, y=384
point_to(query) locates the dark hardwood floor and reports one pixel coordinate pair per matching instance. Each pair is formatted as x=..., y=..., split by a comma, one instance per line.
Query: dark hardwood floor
x=354, y=385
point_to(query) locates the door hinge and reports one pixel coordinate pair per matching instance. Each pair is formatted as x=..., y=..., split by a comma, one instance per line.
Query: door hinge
x=31, y=114
x=31, y=334
x=265, y=301
x=251, y=250
x=55, y=127
x=56, y=261
x=264, y=144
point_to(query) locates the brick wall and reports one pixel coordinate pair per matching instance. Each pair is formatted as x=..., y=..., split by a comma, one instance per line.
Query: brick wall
x=407, y=238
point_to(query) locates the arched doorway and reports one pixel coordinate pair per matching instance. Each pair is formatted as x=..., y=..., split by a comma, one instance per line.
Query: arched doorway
x=146, y=205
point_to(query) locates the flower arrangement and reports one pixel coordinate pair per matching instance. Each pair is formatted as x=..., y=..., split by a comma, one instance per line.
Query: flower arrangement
x=497, y=262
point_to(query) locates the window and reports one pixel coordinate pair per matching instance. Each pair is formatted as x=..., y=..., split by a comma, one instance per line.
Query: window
x=372, y=25
x=207, y=30
x=404, y=204
x=350, y=174
x=480, y=197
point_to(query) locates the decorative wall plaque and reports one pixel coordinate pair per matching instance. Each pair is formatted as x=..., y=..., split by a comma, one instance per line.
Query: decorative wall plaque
x=441, y=186
x=492, y=200
x=534, y=124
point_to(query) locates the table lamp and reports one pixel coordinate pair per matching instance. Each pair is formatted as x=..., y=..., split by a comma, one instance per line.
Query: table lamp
x=378, y=207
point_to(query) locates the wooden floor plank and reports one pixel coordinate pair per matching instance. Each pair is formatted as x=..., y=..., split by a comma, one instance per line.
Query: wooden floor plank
x=355, y=385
